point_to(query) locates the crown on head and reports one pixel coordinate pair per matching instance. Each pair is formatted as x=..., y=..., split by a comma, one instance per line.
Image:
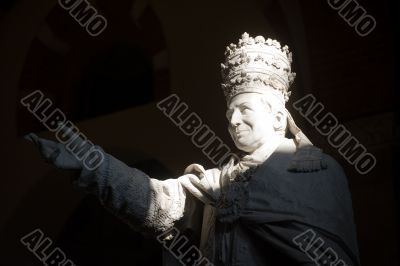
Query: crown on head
x=255, y=65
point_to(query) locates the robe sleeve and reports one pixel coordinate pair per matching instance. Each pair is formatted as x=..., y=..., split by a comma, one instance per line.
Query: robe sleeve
x=148, y=205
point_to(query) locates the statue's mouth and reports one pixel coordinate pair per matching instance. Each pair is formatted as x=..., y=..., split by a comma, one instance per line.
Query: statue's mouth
x=241, y=131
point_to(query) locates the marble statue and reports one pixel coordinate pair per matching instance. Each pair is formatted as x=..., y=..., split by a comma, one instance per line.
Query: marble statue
x=249, y=211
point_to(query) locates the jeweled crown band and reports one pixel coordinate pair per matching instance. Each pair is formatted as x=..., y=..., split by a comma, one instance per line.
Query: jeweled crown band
x=256, y=63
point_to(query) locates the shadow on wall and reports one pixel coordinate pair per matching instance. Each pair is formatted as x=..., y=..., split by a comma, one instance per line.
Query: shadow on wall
x=119, y=78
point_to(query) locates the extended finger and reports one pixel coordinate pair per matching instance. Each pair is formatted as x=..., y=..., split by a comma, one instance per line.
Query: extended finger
x=48, y=148
x=32, y=137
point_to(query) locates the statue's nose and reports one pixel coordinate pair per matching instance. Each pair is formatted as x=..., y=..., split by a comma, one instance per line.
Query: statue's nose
x=236, y=118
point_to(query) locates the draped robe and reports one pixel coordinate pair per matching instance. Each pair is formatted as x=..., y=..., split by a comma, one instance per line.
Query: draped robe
x=247, y=217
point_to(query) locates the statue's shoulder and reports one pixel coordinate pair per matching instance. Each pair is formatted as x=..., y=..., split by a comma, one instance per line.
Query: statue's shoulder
x=286, y=160
x=332, y=166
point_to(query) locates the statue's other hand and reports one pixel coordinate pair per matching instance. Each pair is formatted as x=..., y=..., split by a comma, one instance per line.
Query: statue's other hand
x=55, y=153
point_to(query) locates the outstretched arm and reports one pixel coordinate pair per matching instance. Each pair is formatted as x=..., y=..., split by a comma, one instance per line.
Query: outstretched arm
x=148, y=205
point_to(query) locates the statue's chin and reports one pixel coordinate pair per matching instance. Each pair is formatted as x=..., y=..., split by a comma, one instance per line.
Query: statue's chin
x=244, y=142
x=243, y=146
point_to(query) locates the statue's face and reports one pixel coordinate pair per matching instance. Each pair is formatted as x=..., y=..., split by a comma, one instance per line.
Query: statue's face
x=250, y=121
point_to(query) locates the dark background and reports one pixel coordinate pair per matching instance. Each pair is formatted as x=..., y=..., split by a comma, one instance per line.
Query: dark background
x=109, y=86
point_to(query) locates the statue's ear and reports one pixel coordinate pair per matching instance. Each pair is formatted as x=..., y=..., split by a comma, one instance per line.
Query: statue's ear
x=279, y=121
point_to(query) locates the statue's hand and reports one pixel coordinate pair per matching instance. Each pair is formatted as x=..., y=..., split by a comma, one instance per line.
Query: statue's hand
x=55, y=153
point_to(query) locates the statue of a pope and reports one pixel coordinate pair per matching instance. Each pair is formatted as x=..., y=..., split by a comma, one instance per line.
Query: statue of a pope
x=283, y=203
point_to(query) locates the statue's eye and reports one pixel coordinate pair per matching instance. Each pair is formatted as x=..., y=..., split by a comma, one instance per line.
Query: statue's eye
x=229, y=114
x=245, y=108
